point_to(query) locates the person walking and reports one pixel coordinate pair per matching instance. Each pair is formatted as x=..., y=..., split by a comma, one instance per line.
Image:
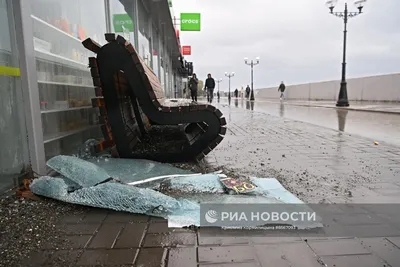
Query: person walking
x=247, y=91
x=281, y=89
x=193, y=86
x=236, y=93
x=209, y=86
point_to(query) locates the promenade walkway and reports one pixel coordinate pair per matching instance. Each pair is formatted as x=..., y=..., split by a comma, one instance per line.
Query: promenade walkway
x=318, y=164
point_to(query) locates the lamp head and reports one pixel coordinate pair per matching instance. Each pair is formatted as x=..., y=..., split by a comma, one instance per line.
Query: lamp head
x=331, y=4
x=360, y=4
x=246, y=59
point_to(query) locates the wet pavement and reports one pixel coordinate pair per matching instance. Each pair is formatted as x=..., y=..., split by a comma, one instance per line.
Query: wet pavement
x=374, y=125
x=318, y=164
x=375, y=106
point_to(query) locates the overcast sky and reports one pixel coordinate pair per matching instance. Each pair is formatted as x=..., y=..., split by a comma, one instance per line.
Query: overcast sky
x=298, y=41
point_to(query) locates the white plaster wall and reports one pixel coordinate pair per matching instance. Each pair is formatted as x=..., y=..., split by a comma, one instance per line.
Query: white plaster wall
x=373, y=88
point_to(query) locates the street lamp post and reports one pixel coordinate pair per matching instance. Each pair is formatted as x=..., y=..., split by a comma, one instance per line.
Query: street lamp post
x=218, y=82
x=229, y=75
x=252, y=63
x=343, y=100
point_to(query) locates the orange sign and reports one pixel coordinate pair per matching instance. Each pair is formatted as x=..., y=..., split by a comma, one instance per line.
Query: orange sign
x=186, y=50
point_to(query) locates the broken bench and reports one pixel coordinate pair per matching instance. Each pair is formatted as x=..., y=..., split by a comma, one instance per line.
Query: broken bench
x=138, y=121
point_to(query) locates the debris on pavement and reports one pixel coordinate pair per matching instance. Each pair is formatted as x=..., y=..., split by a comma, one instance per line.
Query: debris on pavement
x=376, y=143
x=176, y=197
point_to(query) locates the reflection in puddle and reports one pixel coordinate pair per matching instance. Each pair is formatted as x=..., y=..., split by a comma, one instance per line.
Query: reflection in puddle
x=236, y=102
x=341, y=114
x=282, y=109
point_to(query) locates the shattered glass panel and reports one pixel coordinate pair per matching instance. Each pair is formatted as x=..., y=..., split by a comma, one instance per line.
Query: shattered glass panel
x=78, y=170
x=177, y=199
x=130, y=170
x=112, y=195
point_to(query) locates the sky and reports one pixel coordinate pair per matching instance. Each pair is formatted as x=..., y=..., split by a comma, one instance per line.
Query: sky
x=298, y=41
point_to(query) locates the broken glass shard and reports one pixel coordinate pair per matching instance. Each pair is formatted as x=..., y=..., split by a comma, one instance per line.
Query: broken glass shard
x=78, y=170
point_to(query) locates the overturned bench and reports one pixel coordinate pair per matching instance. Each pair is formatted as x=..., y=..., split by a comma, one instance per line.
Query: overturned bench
x=138, y=121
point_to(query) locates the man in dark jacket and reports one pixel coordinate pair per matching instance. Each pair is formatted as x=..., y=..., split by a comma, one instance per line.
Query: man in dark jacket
x=247, y=91
x=209, y=86
x=193, y=85
x=281, y=89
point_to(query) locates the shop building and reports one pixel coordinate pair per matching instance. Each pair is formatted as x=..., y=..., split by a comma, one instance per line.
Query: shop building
x=45, y=83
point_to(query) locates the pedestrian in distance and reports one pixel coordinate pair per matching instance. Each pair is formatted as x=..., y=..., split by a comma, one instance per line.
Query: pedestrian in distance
x=209, y=86
x=281, y=89
x=236, y=93
x=193, y=86
x=247, y=91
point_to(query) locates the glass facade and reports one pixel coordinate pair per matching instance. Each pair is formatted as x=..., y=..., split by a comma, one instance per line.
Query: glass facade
x=12, y=124
x=122, y=19
x=64, y=80
x=60, y=87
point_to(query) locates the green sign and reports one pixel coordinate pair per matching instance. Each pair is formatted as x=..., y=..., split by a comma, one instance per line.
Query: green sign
x=190, y=22
x=121, y=22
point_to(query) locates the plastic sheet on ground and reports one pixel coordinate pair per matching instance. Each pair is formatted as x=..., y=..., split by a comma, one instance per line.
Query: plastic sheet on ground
x=177, y=199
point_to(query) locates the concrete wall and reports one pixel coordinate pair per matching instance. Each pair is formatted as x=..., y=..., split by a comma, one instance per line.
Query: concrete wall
x=373, y=88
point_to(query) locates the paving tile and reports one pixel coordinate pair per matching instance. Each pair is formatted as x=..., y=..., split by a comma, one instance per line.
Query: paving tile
x=158, y=227
x=357, y=219
x=353, y=260
x=169, y=240
x=151, y=257
x=76, y=241
x=229, y=254
x=223, y=240
x=287, y=255
x=75, y=218
x=394, y=240
x=107, y=257
x=125, y=217
x=383, y=249
x=131, y=236
x=157, y=219
x=337, y=247
x=94, y=216
x=242, y=264
x=370, y=230
x=106, y=236
x=179, y=257
x=274, y=239
x=80, y=229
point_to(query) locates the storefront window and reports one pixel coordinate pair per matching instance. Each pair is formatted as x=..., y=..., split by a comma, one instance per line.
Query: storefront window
x=64, y=80
x=144, y=34
x=12, y=123
x=122, y=21
x=156, y=42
